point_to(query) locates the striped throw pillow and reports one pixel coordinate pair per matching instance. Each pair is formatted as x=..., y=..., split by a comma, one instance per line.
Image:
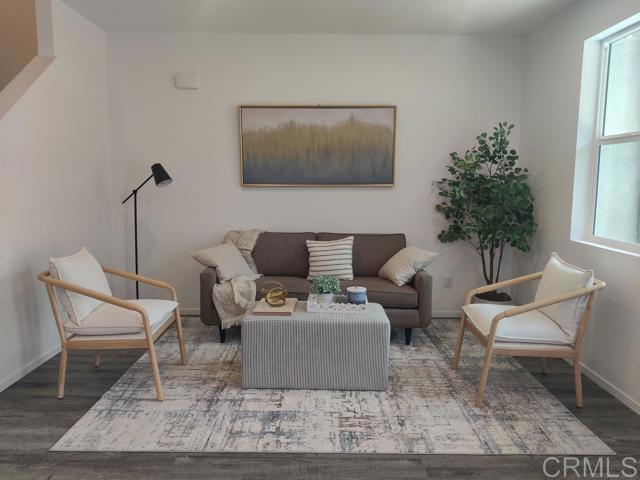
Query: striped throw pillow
x=333, y=258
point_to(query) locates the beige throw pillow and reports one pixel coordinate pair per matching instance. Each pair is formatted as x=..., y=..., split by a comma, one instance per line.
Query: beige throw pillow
x=227, y=260
x=402, y=267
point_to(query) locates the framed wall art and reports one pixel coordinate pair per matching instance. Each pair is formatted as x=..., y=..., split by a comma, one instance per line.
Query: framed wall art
x=317, y=145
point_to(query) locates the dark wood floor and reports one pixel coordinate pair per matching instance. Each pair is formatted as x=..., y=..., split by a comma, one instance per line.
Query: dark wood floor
x=32, y=420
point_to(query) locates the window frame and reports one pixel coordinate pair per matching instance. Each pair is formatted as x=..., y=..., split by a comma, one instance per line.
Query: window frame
x=600, y=139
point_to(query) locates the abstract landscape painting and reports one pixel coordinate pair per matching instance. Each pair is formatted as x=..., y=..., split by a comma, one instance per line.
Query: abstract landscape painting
x=317, y=146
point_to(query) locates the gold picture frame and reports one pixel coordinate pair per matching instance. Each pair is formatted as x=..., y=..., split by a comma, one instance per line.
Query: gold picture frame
x=317, y=145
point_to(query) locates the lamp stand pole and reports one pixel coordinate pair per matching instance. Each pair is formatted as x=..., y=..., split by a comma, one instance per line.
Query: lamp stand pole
x=135, y=235
x=134, y=194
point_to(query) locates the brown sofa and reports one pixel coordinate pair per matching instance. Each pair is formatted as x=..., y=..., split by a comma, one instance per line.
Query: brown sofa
x=283, y=257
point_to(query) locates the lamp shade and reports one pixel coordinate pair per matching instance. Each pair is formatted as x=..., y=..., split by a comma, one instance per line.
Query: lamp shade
x=160, y=175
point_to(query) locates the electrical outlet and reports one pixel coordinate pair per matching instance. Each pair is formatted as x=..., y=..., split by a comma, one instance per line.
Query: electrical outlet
x=447, y=282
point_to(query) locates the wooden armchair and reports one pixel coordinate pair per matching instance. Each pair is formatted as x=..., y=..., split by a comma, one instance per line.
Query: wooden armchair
x=525, y=330
x=155, y=321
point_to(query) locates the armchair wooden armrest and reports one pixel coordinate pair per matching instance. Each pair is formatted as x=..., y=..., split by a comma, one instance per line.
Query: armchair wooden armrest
x=140, y=278
x=512, y=312
x=46, y=278
x=504, y=283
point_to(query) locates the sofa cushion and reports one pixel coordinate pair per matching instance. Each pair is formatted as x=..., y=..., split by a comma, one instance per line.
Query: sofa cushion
x=379, y=290
x=384, y=292
x=283, y=254
x=370, y=250
x=530, y=327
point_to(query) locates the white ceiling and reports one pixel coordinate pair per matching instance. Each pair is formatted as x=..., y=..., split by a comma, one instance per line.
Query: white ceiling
x=514, y=17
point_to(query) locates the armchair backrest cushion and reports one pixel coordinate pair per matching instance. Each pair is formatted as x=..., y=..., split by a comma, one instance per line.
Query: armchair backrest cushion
x=561, y=277
x=84, y=270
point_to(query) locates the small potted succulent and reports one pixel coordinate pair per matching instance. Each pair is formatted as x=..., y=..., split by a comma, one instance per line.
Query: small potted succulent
x=325, y=288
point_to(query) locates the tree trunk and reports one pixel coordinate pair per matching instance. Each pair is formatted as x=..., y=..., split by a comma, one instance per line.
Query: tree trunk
x=484, y=267
x=500, y=259
x=492, y=255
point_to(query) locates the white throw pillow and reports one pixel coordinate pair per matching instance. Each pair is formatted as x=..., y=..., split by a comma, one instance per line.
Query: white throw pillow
x=561, y=277
x=227, y=260
x=403, y=266
x=84, y=270
x=333, y=258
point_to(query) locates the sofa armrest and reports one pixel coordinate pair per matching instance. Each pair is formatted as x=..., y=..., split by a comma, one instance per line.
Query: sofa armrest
x=423, y=283
x=208, y=313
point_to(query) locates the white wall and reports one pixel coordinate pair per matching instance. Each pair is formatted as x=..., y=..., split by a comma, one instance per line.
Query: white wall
x=447, y=89
x=553, y=64
x=54, y=195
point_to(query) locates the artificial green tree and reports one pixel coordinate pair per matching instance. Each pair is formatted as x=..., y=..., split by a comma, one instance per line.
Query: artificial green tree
x=487, y=201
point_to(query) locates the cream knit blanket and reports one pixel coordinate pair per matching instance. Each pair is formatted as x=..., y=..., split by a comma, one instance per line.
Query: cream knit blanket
x=234, y=298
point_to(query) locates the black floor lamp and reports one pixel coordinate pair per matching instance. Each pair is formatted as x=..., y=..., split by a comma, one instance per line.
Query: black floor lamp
x=162, y=179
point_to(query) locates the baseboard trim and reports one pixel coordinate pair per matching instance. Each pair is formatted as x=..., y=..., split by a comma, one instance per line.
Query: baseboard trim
x=611, y=388
x=195, y=312
x=445, y=314
x=12, y=378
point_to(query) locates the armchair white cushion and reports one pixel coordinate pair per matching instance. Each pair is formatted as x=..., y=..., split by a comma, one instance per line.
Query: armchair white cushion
x=110, y=319
x=561, y=277
x=84, y=270
x=529, y=327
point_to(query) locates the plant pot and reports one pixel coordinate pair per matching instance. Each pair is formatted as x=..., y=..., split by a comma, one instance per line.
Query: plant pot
x=493, y=299
x=325, y=298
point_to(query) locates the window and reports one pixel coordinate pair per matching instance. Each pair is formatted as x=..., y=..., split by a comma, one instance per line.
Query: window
x=616, y=208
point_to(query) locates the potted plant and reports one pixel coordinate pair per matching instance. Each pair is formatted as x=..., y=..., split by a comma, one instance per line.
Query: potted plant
x=325, y=288
x=486, y=201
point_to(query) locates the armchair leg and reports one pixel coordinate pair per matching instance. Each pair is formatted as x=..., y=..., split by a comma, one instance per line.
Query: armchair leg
x=223, y=333
x=456, y=355
x=96, y=360
x=156, y=372
x=578, y=379
x=407, y=336
x=62, y=373
x=484, y=375
x=178, y=322
x=153, y=359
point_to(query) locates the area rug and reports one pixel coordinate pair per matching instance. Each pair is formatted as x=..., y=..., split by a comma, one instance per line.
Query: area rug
x=429, y=408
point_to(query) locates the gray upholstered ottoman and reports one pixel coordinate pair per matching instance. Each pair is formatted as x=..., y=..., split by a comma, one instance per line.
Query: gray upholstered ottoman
x=329, y=351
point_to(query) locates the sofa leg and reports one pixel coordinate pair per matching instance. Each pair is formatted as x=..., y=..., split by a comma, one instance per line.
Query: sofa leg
x=407, y=336
x=223, y=334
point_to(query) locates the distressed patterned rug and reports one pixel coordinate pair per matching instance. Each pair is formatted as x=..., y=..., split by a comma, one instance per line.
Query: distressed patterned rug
x=427, y=410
